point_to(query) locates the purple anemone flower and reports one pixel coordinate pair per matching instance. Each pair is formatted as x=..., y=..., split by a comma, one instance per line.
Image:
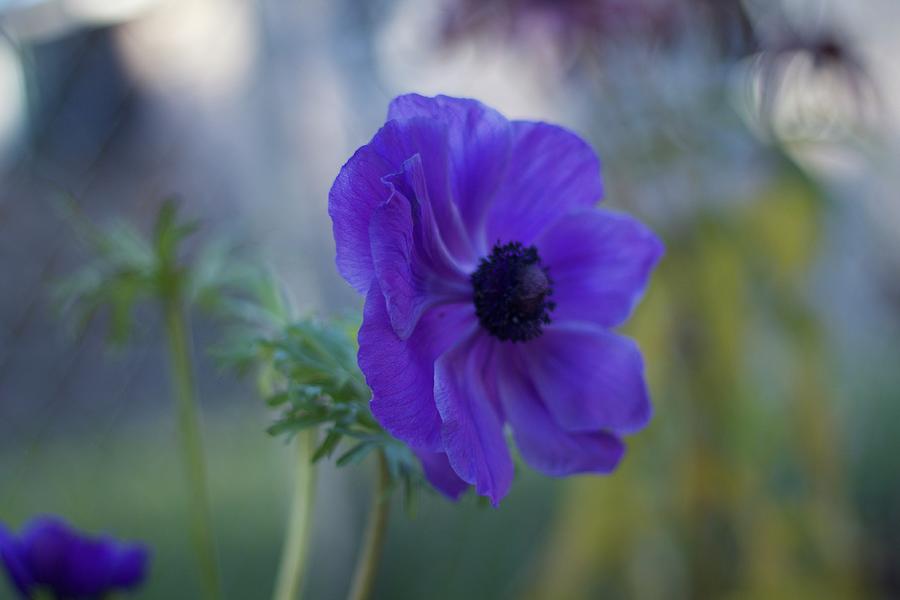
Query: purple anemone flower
x=492, y=283
x=49, y=556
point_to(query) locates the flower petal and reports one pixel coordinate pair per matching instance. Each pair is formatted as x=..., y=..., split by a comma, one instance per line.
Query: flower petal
x=399, y=277
x=589, y=378
x=551, y=171
x=479, y=138
x=440, y=474
x=87, y=569
x=401, y=372
x=46, y=543
x=428, y=138
x=16, y=567
x=472, y=429
x=542, y=442
x=356, y=192
x=51, y=555
x=130, y=567
x=412, y=265
x=599, y=262
x=360, y=188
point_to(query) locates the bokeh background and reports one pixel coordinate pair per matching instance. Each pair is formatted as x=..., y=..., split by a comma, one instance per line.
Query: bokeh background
x=761, y=139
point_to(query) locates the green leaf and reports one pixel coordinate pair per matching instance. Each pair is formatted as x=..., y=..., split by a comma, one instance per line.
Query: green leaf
x=326, y=448
x=278, y=399
x=355, y=454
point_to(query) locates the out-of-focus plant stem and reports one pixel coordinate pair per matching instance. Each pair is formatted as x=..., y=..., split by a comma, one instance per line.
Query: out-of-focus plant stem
x=373, y=542
x=192, y=445
x=296, y=544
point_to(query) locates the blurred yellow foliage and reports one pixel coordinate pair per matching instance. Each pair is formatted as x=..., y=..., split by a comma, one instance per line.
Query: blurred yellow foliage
x=735, y=489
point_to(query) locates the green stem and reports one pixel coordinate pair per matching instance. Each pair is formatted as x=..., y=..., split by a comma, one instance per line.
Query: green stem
x=296, y=544
x=373, y=542
x=192, y=446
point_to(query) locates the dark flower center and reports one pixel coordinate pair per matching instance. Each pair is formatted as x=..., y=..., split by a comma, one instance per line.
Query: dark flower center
x=512, y=292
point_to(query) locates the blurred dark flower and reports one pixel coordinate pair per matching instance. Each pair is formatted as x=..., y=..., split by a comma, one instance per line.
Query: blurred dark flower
x=563, y=17
x=50, y=556
x=492, y=283
x=827, y=48
x=576, y=24
x=826, y=51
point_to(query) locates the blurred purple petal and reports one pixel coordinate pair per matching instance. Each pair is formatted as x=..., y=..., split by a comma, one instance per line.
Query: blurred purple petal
x=130, y=566
x=51, y=555
x=87, y=568
x=48, y=543
x=13, y=560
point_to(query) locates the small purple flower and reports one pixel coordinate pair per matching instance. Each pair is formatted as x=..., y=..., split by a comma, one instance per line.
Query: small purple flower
x=492, y=283
x=50, y=556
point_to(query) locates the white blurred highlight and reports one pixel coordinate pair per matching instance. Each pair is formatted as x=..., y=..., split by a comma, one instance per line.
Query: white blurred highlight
x=13, y=107
x=496, y=74
x=105, y=12
x=193, y=47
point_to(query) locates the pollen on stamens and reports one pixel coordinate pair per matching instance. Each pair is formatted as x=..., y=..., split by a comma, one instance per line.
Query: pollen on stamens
x=512, y=293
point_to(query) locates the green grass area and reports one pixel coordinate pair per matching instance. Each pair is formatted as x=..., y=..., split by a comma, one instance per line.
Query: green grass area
x=129, y=483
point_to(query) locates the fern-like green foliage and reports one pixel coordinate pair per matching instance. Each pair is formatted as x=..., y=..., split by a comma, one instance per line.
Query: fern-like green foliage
x=308, y=372
x=127, y=267
x=307, y=368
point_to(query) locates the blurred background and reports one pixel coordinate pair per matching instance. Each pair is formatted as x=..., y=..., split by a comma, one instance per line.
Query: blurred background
x=761, y=139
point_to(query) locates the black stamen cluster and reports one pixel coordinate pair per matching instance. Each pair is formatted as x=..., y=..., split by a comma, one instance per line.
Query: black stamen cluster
x=512, y=293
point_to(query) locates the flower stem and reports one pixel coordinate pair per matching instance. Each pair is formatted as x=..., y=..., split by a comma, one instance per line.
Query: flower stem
x=296, y=544
x=373, y=542
x=192, y=446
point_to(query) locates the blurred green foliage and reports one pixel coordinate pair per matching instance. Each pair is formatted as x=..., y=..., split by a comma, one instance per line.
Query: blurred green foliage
x=128, y=484
x=126, y=268
x=737, y=488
